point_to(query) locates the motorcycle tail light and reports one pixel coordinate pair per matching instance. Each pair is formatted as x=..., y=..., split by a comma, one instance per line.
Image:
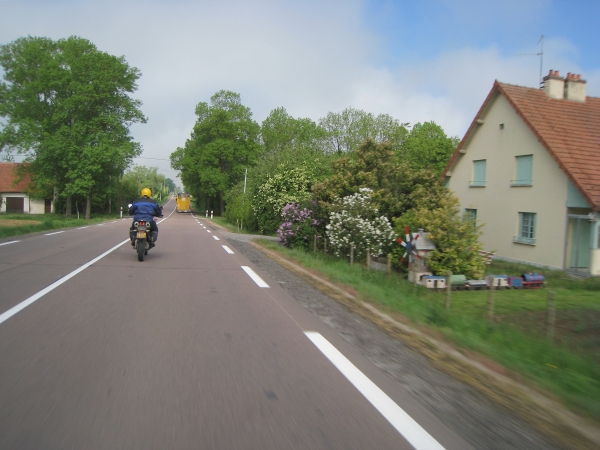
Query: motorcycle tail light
x=142, y=223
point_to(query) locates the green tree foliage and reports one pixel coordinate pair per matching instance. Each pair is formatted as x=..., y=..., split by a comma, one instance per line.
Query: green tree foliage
x=397, y=187
x=280, y=131
x=350, y=128
x=67, y=106
x=139, y=177
x=289, y=144
x=456, y=238
x=223, y=143
x=427, y=146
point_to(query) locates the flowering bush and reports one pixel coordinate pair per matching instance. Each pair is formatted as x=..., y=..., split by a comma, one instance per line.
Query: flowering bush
x=355, y=221
x=298, y=228
x=287, y=186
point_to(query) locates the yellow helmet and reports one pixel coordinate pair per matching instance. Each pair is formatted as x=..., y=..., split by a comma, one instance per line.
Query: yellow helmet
x=146, y=192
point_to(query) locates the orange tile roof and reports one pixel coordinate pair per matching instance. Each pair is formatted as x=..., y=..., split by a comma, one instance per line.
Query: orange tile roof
x=569, y=130
x=7, y=177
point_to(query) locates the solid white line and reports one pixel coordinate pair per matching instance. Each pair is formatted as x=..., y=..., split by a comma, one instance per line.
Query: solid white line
x=227, y=249
x=56, y=232
x=402, y=422
x=11, y=242
x=258, y=280
x=216, y=238
x=15, y=309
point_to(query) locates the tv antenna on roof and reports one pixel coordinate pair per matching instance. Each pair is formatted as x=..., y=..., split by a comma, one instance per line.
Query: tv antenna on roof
x=541, y=55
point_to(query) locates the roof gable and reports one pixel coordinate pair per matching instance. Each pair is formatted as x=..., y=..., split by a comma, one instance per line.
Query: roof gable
x=569, y=130
x=8, y=177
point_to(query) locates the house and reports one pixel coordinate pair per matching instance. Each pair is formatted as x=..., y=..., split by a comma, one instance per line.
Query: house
x=13, y=197
x=528, y=169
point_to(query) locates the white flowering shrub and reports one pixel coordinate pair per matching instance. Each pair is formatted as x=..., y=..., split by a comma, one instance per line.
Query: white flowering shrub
x=355, y=221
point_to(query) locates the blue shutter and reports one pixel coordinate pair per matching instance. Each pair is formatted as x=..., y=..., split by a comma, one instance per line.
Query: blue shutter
x=524, y=171
x=478, y=173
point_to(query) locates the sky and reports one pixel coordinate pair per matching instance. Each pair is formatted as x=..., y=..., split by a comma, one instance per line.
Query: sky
x=428, y=60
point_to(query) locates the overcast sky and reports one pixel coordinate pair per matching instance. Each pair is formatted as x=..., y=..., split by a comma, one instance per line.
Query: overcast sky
x=415, y=60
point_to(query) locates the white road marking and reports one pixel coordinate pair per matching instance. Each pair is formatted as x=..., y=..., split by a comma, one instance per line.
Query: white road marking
x=100, y=225
x=81, y=228
x=402, y=422
x=258, y=280
x=209, y=231
x=56, y=232
x=11, y=242
x=227, y=249
x=216, y=238
x=15, y=309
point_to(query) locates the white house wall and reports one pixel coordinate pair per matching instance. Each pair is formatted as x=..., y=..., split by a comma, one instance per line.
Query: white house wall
x=498, y=203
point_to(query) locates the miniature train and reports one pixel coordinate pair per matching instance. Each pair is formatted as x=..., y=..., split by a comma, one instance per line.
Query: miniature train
x=460, y=282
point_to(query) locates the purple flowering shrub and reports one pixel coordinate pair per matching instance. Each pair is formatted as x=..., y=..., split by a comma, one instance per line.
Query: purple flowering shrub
x=298, y=228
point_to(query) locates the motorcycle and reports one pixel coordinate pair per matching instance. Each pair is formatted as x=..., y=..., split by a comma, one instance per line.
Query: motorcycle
x=142, y=238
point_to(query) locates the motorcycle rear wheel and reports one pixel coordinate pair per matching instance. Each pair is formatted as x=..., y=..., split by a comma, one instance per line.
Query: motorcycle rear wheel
x=141, y=249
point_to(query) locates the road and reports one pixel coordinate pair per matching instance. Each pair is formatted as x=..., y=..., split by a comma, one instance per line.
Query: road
x=196, y=347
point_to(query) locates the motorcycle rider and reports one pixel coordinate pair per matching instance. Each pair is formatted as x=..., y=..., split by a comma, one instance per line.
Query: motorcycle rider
x=145, y=208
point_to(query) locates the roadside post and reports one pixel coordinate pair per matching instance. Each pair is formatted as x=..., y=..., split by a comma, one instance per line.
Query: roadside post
x=211, y=214
x=551, y=316
x=491, y=280
x=448, y=288
x=121, y=213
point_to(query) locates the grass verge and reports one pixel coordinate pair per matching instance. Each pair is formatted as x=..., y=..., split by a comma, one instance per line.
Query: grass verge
x=564, y=367
x=20, y=224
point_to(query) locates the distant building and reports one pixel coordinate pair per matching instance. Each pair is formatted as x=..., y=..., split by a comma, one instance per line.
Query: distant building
x=13, y=196
x=529, y=169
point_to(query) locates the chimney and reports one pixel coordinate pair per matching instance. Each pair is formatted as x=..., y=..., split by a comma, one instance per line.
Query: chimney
x=575, y=88
x=554, y=85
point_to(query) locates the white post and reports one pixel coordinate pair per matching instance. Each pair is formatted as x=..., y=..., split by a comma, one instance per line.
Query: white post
x=121, y=213
x=211, y=215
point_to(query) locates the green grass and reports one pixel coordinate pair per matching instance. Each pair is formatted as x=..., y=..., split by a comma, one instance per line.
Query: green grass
x=44, y=222
x=221, y=221
x=569, y=366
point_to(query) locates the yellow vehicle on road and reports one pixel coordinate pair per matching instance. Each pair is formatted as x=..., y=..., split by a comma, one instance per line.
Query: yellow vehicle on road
x=183, y=202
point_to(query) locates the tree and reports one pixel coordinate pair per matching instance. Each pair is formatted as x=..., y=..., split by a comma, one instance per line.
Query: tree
x=223, y=143
x=68, y=109
x=397, y=187
x=427, y=146
x=347, y=130
x=139, y=177
x=280, y=131
x=456, y=238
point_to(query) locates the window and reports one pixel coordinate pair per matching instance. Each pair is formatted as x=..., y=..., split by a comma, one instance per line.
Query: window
x=524, y=170
x=478, y=174
x=526, y=229
x=470, y=214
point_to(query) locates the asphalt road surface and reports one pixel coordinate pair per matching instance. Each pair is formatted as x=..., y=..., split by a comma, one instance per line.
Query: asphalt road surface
x=196, y=347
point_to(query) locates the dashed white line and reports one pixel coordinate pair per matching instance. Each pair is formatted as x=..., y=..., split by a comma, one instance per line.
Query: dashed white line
x=15, y=309
x=258, y=280
x=396, y=416
x=209, y=231
x=56, y=232
x=11, y=242
x=216, y=238
x=227, y=249
x=81, y=228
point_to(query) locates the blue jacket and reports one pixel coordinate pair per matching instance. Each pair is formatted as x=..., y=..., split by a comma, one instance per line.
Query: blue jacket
x=145, y=209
